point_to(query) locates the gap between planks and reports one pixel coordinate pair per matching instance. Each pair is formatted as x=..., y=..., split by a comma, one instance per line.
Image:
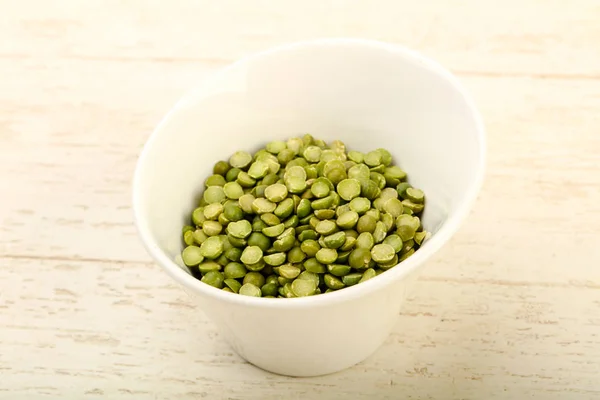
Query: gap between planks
x=217, y=62
x=424, y=278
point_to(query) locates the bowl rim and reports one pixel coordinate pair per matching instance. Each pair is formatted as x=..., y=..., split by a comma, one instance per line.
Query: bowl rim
x=441, y=237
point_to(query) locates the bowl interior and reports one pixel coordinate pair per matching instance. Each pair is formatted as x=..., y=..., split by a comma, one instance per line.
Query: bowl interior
x=366, y=95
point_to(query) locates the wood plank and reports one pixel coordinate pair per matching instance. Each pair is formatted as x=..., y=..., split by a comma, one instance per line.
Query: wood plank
x=536, y=37
x=509, y=309
x=68, y=168
x=124, y=330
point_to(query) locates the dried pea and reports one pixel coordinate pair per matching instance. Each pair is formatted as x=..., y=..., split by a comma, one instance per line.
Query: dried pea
x=192, y=256
x=213, y=278
x=300, y=218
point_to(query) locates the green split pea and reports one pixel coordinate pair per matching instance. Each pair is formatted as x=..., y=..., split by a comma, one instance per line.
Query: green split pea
x=300, y=218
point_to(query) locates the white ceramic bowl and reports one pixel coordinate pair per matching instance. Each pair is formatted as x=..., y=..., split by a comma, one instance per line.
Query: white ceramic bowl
x=365, y=93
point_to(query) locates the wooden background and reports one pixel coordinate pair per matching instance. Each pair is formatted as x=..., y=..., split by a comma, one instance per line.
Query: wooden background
x=508, y=310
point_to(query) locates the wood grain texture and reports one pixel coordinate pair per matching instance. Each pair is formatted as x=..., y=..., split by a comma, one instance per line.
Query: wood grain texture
x=509, y=309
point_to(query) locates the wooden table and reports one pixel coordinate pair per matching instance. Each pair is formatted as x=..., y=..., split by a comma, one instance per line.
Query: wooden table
x=509, y=309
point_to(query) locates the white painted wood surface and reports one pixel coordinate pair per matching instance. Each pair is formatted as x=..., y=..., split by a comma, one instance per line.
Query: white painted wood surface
x=510, y=309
